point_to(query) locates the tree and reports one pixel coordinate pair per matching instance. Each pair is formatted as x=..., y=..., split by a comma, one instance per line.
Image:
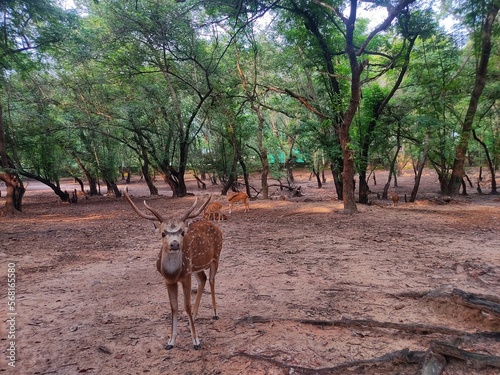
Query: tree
x=250, y=91
x=35, y=128
x=27, y=28
x=335, y=34
x=479, y=84
x=167, y=40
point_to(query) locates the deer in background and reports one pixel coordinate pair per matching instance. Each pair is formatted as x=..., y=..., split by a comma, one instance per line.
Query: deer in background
x=185, y=250
x=236, y=197
x=394, y=198
x=214, y=212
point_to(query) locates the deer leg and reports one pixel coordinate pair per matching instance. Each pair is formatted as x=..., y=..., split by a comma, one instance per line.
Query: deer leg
x=174, y=305
x=201, y=278
x=186, y=286
x=213, y=271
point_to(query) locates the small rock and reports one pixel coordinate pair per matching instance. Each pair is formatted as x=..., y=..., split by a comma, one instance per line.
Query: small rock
x=103, y=349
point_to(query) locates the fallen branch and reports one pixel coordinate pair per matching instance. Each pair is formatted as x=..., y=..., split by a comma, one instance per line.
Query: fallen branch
x=487, y=303
x=433, y=361
x=404, y=356
x=474, y=359
x=477, y=301
x=422, y=329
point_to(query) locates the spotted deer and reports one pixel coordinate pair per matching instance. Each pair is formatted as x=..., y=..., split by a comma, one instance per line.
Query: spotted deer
x=214, y=212
x=236, y=197
x=185, y=250
x=394, y=198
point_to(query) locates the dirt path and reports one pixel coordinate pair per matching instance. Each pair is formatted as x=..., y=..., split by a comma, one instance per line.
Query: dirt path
x=298, y=285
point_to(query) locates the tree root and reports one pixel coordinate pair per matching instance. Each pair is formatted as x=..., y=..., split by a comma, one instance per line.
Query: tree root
x=477, y=301
x=404, y=356
x=490, y=304
x=438, y=353
x=432, y=362
x=422, y=329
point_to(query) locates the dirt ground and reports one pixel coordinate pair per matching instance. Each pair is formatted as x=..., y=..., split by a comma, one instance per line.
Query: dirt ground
x=302, y=288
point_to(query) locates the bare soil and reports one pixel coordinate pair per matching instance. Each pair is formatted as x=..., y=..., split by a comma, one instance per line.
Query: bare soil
x=302, y=288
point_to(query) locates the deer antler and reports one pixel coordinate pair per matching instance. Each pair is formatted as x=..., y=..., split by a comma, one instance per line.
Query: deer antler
x=139, y=212
x=157, y=216
x=189, y=215
x=154, y=212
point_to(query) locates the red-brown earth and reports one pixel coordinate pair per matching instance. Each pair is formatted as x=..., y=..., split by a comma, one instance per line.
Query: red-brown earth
x=302, y=288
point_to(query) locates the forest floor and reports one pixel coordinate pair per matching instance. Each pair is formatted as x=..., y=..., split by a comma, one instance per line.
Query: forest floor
x=302, y=288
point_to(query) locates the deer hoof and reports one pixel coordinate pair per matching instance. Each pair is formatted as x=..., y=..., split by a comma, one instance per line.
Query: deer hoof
x=215, y=317
x=197, y=346
x=169, y=347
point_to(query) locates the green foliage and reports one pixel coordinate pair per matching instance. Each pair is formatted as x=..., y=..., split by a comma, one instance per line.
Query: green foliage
x=159, y=81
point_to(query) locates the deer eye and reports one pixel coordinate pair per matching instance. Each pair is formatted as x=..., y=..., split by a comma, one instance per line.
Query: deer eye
x=163, y=234
x=182, y=233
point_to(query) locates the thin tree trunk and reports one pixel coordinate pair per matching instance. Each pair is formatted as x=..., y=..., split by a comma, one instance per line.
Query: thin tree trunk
x=232, y=174
x=337, y=179
x=392, y=170
x=263, y=154
x=420, y=168
x=490, y=163
x=245, y=176
x=289, y=171
x=457, y=173
x=64, y=195
x=153, y=190
x=317, y=174
x=111, y=185
x=92, y=181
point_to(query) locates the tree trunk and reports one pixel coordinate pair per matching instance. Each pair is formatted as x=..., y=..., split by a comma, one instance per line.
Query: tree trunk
x=236, y=156
x=490, y=163
x=111, y=185
x=15, y=192
x=317, y=174
x=92, y=181
x=175, y=180
x=345, y=139
x=245, y=176
x=263, y=154
x=420, y=168
x=392, y=168
x=64, y=195
x=348, y=173
x=457, y=173
x=364, y=189
x=337, y=179
x=153, y=190
x=80, y=182
x=13, y=184
x=93, y=184
x=289, y=172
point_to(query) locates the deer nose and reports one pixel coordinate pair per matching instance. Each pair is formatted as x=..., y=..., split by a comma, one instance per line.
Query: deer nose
x=175, y=245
